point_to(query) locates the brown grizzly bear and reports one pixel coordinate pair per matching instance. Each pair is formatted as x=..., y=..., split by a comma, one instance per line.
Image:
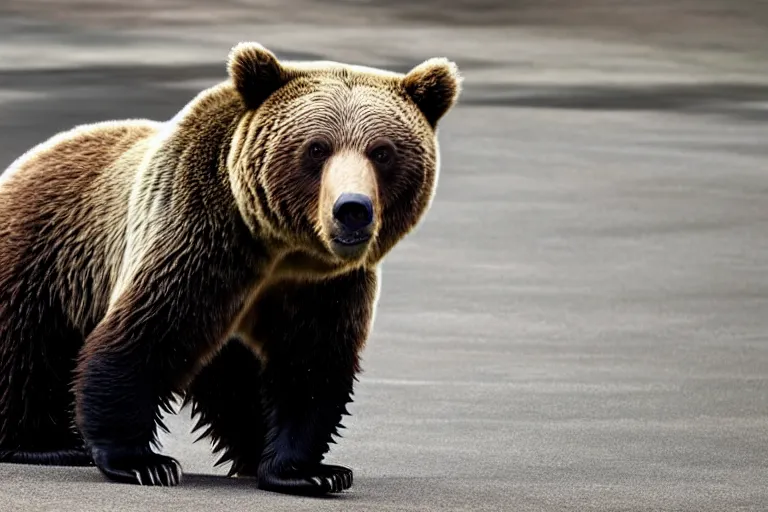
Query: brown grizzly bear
x=228, y=256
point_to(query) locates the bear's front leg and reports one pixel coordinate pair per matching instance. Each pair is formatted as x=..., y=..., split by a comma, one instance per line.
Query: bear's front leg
x=144, y=351
x=311, y=336
x=303, y=404
x=118, y=402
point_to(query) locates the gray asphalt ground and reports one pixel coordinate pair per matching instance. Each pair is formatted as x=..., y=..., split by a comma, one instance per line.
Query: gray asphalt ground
x=581, y=322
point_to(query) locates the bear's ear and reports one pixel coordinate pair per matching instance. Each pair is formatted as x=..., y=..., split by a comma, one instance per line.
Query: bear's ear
x=256, y=72
x=434, y=86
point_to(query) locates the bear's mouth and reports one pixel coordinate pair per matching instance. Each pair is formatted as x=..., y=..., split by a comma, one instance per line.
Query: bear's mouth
x=352, y=239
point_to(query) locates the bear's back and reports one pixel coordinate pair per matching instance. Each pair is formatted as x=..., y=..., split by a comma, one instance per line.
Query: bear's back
x=65, y=204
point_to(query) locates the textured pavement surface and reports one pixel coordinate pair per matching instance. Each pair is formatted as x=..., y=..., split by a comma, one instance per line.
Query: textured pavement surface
x=580, y=324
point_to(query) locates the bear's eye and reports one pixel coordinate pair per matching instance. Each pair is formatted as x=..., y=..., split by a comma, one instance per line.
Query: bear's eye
x=383, y=154
x=318, y=151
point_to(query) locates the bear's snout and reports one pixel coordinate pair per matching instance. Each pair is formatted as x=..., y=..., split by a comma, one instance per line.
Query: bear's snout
x=349, y=205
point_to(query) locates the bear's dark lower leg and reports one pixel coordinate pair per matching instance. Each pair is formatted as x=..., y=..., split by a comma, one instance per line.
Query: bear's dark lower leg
x=303, y=407
x=120, y=397
x=36, y=403
x=311, y=334
x=226, y=398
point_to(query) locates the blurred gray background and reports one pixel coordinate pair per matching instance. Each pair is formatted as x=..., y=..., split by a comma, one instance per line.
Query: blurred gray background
x=580, y=323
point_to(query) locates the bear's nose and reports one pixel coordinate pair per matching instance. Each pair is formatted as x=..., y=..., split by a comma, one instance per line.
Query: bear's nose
x=353, y=211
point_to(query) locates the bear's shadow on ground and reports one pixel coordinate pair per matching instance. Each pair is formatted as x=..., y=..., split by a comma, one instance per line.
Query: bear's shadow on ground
x=209, y=482
x=192, y=482
x=204, y=481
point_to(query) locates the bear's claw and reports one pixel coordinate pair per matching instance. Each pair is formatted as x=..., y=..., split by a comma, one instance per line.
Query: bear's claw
x=314, y=481
x=142, y=467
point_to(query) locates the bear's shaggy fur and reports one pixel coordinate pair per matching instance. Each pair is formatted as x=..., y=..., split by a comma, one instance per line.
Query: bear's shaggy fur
x=229, y=256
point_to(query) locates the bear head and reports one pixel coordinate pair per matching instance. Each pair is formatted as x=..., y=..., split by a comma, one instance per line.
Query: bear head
x=335, y=162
